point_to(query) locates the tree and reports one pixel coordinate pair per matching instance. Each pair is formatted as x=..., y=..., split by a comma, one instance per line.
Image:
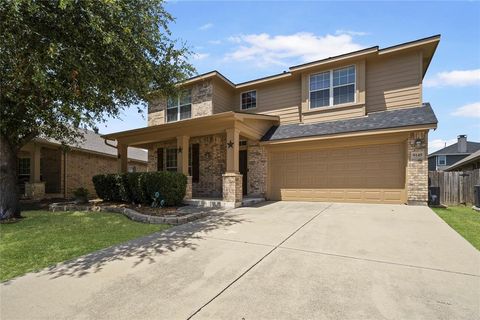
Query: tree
x=70, y=64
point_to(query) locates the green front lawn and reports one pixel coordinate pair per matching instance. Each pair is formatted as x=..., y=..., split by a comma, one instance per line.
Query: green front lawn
x=44, y=238
x=464, y=220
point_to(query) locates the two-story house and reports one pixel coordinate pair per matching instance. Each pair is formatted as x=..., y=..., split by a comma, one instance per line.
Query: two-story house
x=350, y=128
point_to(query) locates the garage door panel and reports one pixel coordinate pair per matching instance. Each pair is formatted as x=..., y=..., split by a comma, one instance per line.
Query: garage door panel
x=372, y=173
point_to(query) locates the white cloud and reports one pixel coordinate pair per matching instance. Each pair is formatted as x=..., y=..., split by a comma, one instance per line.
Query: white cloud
x=214, y=41
x=438, y=144
x=284, y=50
x=200, y=56
x=352, y=33
x=471, y=110
x=206, y=26
x=455, y=78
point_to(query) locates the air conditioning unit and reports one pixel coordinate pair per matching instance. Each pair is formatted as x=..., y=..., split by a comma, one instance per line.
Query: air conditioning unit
x=476, y=194
x=434, y=196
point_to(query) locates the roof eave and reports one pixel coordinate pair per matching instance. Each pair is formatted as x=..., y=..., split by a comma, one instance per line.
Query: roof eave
x=351, y=134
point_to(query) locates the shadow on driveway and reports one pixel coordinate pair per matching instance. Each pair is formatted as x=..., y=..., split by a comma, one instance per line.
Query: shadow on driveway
x=146, y=248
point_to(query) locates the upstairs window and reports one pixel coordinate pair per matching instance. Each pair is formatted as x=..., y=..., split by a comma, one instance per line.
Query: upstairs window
x=180, y=107
x=332, y=87
x=442, y=160
x=248, y=100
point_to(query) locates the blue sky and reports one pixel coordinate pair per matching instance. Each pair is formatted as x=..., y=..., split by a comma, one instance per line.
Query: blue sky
x=247, y=40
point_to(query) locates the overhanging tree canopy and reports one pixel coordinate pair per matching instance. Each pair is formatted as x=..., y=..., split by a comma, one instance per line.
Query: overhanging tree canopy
x=70, y=64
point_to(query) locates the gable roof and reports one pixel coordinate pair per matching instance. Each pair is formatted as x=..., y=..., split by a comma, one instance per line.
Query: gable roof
x=93, y=142
x=471, y=158
x=453, y=149
x=416, y=116
x=428, y=44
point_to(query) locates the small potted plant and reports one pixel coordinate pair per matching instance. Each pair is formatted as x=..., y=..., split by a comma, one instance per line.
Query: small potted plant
x=81, y=195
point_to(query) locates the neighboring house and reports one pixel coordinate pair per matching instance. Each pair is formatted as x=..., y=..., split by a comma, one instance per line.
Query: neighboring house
x=45, y=170
x=349, y=128
x=471, y=162
x=444, y=158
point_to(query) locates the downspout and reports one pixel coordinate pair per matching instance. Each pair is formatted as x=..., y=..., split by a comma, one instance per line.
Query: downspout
x=108, y=144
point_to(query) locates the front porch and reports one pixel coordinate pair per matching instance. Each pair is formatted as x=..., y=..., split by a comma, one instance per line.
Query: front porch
x=39, y=171
x=220, y=154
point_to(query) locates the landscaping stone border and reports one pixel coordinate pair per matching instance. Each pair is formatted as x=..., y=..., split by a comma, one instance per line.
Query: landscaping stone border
x=131, y=214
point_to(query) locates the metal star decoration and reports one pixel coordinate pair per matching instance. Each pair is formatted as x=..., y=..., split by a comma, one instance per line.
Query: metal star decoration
x=230, y=144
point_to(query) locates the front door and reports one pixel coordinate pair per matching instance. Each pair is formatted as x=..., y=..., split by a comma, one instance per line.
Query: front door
x=243, y=167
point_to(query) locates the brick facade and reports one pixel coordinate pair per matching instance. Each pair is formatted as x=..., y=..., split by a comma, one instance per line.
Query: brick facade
x=202, y=105
x=257, y=170
x=82, y=166
x=417, y=168
x=51, y=169
x=213, y=159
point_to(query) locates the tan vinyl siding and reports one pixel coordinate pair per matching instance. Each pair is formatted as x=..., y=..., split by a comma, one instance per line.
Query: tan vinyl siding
x=334, y=113
x=223, y=97
x=394, y=82
x=280, y=98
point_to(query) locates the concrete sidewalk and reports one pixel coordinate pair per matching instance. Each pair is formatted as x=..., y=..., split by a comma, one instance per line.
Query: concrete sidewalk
x=279, y=260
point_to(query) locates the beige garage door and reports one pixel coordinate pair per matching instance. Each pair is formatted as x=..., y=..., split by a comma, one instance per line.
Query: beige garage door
x=373, y=173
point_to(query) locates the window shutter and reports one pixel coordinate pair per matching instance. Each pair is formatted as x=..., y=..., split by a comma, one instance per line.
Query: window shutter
x=195, y=162
x=160, y=159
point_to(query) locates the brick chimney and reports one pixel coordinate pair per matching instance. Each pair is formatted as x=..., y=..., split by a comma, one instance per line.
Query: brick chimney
x=462, y=143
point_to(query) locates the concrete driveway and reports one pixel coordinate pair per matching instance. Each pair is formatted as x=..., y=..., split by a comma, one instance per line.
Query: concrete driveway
x=283, y=260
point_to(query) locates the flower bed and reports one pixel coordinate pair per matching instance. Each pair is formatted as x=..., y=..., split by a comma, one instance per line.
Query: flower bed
x=168, y=215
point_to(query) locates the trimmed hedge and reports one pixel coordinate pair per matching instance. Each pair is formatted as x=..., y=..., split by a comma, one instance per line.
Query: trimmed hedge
x=140, y=187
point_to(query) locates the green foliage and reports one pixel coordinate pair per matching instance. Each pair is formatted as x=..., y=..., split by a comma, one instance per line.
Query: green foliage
x=140, y=187
x=136, y=183
x=69, y=64
x=81, y=193
x=171, y=185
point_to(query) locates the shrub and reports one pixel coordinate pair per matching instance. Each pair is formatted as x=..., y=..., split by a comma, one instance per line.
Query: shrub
x=136, y=187
x=171, y=186
x=109, y=187
x=81, y=194
x=140, y=187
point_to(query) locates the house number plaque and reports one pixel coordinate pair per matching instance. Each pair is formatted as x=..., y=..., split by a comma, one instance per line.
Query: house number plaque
x=417, y=156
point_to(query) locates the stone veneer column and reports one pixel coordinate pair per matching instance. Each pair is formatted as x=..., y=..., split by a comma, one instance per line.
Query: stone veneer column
x=232, y=190
x=188, y=193
x=417, y=168
x=257, y=170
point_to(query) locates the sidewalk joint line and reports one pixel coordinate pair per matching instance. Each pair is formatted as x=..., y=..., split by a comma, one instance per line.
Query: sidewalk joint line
x=256, y=263
x=379, y=261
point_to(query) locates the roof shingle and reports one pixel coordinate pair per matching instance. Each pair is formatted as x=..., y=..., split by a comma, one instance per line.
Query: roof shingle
x=423, y=115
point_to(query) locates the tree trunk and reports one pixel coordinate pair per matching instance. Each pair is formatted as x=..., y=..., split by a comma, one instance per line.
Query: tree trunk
x=9, y=201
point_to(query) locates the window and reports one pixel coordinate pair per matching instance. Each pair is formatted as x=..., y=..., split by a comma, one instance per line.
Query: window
x=171, y=159
x=442, y=160
x=249, y=100
x=180, y=108
x=332, y=87
x=24, y=166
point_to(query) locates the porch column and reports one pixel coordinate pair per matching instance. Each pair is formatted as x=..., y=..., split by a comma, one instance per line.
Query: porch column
x=35, y=188
x=183, y=154
x=232, y=179
x=35, y=176
x=233, y=145
x=122, y=157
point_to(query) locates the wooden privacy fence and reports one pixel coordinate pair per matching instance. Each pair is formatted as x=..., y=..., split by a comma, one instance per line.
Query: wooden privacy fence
x=456, y=187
